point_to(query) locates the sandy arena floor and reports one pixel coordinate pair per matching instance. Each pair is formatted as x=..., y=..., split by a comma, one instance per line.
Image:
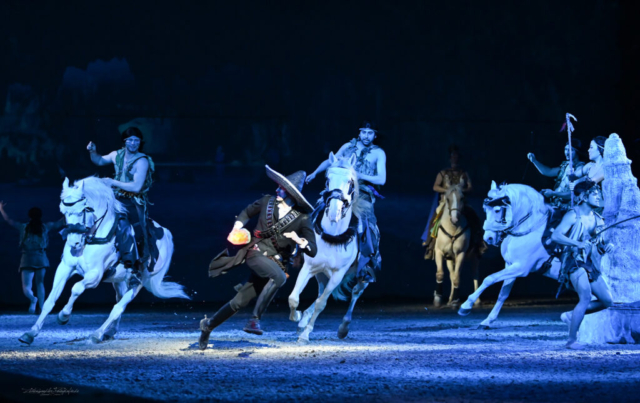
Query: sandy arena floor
x=398, y=353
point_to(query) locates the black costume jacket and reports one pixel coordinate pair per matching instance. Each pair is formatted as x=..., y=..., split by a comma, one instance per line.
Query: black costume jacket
x=278, y=244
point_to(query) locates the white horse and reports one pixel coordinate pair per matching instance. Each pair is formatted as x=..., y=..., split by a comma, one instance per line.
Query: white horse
x=516, y=217
x=453, y=242
x=91, y=209
x=336, y=225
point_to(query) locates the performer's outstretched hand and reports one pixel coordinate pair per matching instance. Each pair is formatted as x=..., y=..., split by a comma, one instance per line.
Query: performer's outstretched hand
x=91, y=147
x=310, y=178
x=531, y=157
x=2, y=204
x=609, y=248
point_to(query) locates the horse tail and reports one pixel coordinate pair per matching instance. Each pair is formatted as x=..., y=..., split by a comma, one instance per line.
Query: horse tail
x=156, y=284
x=345, y=287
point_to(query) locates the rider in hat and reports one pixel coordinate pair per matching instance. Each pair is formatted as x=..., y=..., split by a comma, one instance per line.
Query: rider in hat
x=283, y=227
x=131, y=183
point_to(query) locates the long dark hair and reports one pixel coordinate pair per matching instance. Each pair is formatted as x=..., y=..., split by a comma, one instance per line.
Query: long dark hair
x=600, y=143
x=35, y=225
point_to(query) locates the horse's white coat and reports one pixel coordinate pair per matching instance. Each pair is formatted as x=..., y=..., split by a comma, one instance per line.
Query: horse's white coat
x=331, y=263
x=91, y=261
x=523, y=254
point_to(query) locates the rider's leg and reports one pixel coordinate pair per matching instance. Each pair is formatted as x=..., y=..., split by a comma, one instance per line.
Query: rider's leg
x=265, y=268
x=580, y=282
x=245, y=294
x=39, y=277
x=601, y=290
x=26, y=275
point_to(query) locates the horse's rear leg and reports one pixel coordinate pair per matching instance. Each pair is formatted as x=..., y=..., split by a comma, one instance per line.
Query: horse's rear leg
x=63, y=272
x=321, y=303
x=322, y=280
x=343, y=330
x=114, y=317
x=294, y=298
x=91, y=280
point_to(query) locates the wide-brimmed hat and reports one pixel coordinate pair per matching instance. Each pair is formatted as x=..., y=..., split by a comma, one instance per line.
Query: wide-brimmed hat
x=292, y=184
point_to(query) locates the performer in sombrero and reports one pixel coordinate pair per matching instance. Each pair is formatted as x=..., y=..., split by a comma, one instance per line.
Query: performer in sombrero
x=283, y=225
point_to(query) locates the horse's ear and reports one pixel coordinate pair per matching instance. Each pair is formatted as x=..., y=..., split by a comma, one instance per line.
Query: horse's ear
x=65, y=184
x=493, y=185
x=332, y=158
x=352, y=160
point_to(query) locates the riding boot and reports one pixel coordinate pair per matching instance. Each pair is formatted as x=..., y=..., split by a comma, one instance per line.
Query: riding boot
x=207, y=325
x=264, y=299
x=135, y=279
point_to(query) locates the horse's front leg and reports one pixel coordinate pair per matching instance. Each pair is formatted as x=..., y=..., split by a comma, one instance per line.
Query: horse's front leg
x=322, y=280
x=321, y=303
x=121, y=289
x=63, y=272
x=91, y=279
x=504, y=294
x=343, y=330
x=294, y=298
x=116, y=313
x=437, y=294
x=454, y=272
x=510, y=272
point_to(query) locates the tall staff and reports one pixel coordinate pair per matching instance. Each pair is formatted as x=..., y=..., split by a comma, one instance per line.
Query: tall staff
x=570, y=129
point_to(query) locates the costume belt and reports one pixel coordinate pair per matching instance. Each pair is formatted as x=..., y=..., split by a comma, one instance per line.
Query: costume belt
x=128, y=195
x=276, y=228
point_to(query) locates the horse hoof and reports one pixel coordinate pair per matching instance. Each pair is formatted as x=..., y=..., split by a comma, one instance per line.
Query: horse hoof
x=295, y=316
x=26, y=339
x=303, y=341
x=343, y=330
x=95, y=339
x=63, y=319
x=437, y=301
x=454, y=304
x=464, y=312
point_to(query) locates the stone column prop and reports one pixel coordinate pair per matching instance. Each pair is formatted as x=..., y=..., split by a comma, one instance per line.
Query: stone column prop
x=622, y=267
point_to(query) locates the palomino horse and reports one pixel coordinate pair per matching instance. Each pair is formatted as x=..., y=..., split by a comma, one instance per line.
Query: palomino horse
x=91, y=209
x=516, y=218
x=453, y=242
x=335, y=222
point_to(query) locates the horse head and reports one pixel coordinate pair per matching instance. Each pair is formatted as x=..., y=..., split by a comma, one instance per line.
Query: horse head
x=85, y=205
x=507, y=207
x=454, y=199
x=341, y=189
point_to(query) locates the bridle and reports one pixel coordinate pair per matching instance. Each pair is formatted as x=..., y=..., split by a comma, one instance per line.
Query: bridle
x=88, y=232
x=338, y=194
x=510, y=230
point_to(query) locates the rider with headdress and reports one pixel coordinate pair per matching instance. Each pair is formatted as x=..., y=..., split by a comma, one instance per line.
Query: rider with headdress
x=560, y=196
x=131, y=183
x=451, y=176
x=593, y=171
x=283, y=228
x=371, y=166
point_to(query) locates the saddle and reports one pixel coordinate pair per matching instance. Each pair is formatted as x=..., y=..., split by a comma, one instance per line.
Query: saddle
x=129, y=249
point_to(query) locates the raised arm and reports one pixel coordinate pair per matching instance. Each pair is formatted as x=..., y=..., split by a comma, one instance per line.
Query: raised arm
x=99, y=159
x=543, y=169
x=381, y=177
x=139, y=177
x=325, y=164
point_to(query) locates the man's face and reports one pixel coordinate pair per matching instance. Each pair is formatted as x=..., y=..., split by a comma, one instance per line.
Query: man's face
x=568, y=149
x=454, y=158
x=281, y=194
x=367, y=136
x=132, y=144
x=593, y=198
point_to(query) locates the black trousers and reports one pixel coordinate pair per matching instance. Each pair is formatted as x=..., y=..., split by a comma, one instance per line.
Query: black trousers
x=137, y=216
x=263, y=269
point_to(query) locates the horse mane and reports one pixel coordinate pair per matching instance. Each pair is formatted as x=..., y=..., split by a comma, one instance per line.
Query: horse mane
x=99, y=196
x=523, y=199
x=358, y=204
